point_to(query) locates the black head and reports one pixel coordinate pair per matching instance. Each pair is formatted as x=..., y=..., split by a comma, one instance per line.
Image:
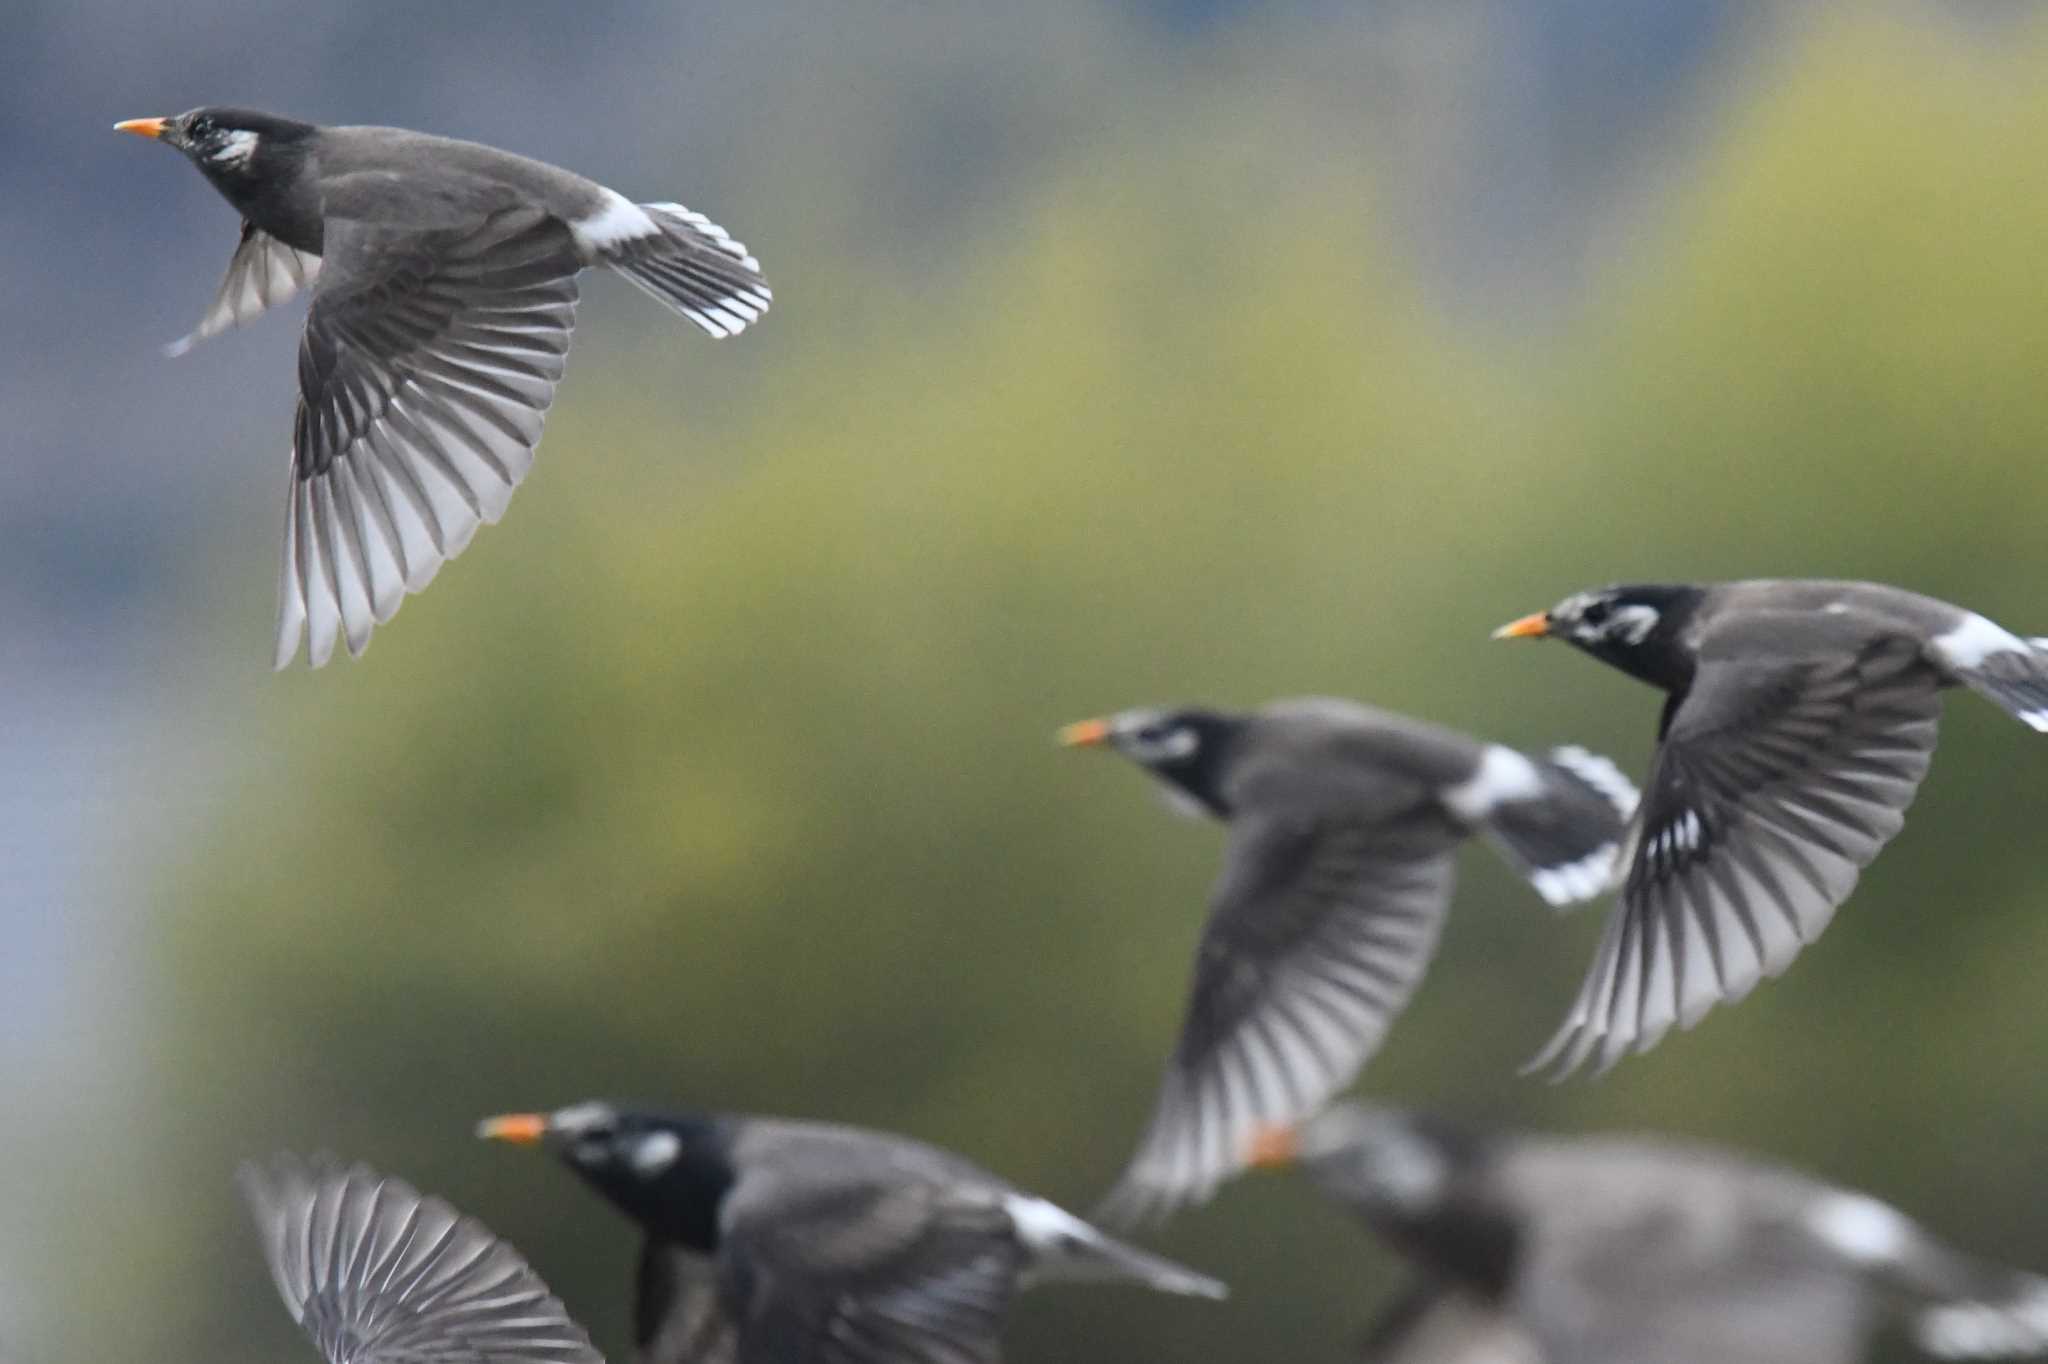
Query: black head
x=1411, y=1177
x=1634, y=627
x=232, y=146
x=1185, y=747
x=668, y=1172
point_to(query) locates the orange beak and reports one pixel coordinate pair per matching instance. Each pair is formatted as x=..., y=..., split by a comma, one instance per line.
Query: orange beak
x=142, y=127
x=1084, y=734
x=1534, y=626
x=1273, y=1146
x=521, y=1129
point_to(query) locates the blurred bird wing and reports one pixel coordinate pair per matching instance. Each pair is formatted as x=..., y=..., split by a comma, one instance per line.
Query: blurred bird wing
x=262, y=273
x=677, y=1315
x=428, y=363
x=1776, y=782
x=868, y=1272
x=377, y=1274
x=1440, y=1323
x=1319, y=929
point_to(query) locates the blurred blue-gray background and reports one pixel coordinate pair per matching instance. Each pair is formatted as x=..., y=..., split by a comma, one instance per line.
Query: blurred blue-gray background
x=1123, y=352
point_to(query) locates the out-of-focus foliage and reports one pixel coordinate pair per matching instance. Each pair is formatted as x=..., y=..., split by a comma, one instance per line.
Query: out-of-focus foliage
x=721, y=772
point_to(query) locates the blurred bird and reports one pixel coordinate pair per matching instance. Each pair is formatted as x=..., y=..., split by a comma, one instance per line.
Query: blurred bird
x=1336, y=880
x=1800, y=720
x=774, y=1242
x=1623, y=1250
x=444, y=290
x=377, y=1274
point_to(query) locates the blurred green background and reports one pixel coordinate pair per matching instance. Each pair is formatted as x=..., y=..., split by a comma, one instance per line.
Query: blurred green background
x=721, y=772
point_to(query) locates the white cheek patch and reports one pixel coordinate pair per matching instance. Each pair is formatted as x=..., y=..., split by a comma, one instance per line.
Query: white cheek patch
x=655, y=1152
x=235, y=149
x=1503, y=775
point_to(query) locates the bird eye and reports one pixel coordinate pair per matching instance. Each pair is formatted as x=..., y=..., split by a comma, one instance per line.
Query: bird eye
x=1596, y=612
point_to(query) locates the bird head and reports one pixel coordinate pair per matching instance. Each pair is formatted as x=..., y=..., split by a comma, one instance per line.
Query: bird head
x=230, y=145
x=1374, y=1159
x=1611, y=623
x=667, y=1172
x=1181, y=747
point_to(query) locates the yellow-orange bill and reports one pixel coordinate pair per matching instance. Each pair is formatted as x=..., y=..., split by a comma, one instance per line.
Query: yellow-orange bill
x=1533, y=626
x=1272, y=1147
x=521, y=1129
x=142, y=127
x=1084, y=734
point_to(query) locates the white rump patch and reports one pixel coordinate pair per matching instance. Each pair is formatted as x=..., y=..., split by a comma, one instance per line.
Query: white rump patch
x=1576, y=881
x=1982, y=1330
x=1503, y=775
x=618, y=220
x=1861, y=1229
x=655, y=1152
x=1047, y=1228
x=1975, y=640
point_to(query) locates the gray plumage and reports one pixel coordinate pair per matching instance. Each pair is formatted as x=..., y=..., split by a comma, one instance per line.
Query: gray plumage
x=443, y=277
x=777, y=1242
x=1801, y=720
x=376, y=1273
x=1622, y=1250
x=1335, y=884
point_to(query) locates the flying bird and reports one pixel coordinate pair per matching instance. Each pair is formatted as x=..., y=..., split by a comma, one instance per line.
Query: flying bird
x=443, y=278
x=1800, y=719
x=777, y=1242
x=1625, y=1249
x=1343, y=821
x=376, y=1273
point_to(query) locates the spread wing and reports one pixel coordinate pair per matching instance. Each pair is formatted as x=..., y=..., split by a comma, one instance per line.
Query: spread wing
x=1319, y=929
x=262, y=273
x=869, y=1273
x=428, y=363
x=377, y=1274
x=677, y=1315
x=1776, y=782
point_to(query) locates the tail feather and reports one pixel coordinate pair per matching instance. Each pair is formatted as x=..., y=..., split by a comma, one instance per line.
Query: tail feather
x=2017, y=680
x=1065, y=1247
x=1566, y=838
x=693, y=265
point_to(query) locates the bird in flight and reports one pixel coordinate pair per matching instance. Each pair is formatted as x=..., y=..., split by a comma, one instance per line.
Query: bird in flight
x=1799, y=719
x=443, y=280
x=1344, y=824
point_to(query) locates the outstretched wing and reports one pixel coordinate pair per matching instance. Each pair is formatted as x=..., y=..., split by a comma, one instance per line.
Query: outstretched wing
x=1775, y=784
x=378, y=1274
x=1319, y=929
x=428, y=363
x=262, y=273
x=677, y=1315
x=864, y=1272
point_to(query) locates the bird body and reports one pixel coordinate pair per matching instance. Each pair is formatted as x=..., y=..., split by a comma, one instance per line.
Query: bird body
x=793, y=1242
x=1801, y=717
x=1343, y=822
x=1619, y=1249
x=444, y=291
